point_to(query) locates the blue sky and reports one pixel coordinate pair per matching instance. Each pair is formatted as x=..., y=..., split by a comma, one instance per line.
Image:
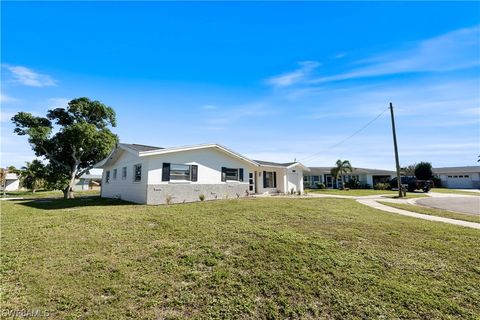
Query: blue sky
x=275, y=81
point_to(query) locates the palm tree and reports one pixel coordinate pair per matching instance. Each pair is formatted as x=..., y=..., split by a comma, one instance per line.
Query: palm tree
x=32, y=176
x=341, y=168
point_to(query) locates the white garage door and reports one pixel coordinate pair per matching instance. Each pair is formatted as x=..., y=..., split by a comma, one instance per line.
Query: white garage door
x=459, y=181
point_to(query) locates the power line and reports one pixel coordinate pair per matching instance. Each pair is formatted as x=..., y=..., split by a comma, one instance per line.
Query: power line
x=347, y=138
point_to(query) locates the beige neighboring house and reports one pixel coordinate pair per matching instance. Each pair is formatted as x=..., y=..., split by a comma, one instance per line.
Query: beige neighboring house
x=154, y=175
x=12, y=182
x=88, y=182
x=467, y=177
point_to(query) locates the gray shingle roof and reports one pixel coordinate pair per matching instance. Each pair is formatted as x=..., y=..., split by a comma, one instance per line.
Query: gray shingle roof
x=140, y=147
x=466, y=169
x=276, y=164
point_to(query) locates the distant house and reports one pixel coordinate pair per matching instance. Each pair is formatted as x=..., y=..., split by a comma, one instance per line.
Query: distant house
x=459, y=177
x=154, y=175
x=88, y=182
x=364, y=176
x=12, y=182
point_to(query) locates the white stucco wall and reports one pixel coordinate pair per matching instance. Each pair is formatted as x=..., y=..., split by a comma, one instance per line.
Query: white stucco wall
x=294, y=180
x=281, y=180
x=126, y=189
x=12, y=185
x=209, y=162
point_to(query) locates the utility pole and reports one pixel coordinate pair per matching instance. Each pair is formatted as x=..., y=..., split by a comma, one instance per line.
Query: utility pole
x=397, y=162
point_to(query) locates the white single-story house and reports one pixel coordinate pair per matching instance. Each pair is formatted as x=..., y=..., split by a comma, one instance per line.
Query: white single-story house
x=364, y=176
x=467, y=177
x=154, y=175
x=12, y=182
x=88, y=181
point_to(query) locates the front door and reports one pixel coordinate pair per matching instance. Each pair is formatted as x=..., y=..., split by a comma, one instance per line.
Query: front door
x=251, y=183
x=328, y=181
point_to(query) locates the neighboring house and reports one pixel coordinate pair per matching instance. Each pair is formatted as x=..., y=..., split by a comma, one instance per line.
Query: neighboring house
x=153, y=175
x=459, y=177
x=12, y=182
x=364, y=176
x=88, y=182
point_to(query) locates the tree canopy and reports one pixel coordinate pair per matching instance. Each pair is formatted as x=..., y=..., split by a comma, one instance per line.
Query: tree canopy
x=423, y=171
x=82, y=138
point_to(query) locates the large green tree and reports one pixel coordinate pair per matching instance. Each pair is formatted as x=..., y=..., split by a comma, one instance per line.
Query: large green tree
x=341, y=169
x=423, y=171
x=408, y=170
x=72, y=139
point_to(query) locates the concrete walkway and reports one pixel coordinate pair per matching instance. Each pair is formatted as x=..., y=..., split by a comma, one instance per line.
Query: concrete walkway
x=374, y=204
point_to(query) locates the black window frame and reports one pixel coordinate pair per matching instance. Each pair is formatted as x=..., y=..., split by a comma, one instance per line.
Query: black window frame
x=107, y=176
x=124, y=173
x=236, y=176
x=115, y=172
x=136, y=173
x=167, y=172
x=269, y=179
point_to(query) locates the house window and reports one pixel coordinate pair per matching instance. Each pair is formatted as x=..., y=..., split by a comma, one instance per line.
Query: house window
x=107, y=177
x=269, y=179
x=124, y=173
x=114, y=174
x=232, y=174
x=179, y=172
x=467, y=176
x=137, y=173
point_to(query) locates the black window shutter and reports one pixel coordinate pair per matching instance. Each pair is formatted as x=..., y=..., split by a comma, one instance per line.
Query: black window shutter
x=240, y=174
x=224, y=174
x=194, y=172
x=166, y=171
x=264, y=179
x=274, y=179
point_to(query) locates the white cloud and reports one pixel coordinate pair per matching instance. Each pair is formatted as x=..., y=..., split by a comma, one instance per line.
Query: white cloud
x=450, y=51
x=5, y=116
x=28, y=77
x=58, y=103
x=288, y=79
x=7, y=99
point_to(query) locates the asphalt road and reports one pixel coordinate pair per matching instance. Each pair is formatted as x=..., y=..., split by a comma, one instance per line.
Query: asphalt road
x=469, y=205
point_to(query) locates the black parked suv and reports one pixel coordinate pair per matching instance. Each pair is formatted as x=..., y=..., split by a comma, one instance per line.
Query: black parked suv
x=412, y=183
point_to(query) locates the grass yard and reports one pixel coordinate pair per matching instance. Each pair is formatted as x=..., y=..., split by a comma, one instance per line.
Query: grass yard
x=351, y=192
x=434, y=212
x=445, y=190
x=249, y=258
x=47, y=194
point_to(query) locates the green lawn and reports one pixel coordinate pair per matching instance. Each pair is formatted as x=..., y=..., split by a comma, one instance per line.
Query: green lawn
x=249, y=258
x=434, y=212
x=47, y=194
x=445, y=190
x=351, y=192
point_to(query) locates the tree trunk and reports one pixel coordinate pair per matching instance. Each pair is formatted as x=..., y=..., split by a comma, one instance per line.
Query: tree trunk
x=68, y=191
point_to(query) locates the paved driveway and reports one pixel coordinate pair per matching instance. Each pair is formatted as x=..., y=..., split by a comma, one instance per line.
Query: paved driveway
x=470, y=205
